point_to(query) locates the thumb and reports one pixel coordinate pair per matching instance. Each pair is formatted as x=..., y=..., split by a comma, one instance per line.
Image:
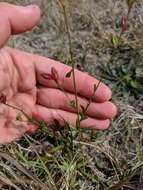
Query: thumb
x=16, y=19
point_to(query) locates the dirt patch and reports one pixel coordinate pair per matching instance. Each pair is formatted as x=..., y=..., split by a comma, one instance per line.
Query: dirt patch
x=114, y=158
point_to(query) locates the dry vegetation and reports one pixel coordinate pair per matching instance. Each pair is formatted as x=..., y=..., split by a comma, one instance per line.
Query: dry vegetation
x=108, y=160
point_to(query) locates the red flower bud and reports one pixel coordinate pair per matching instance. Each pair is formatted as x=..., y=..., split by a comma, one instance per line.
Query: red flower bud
x=124, y=23
x=54, y=74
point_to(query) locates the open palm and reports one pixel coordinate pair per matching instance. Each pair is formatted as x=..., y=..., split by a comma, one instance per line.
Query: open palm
x=23, y=83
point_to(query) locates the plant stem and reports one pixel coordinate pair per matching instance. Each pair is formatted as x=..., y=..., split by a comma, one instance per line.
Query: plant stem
x=30, y=120
x=93, y=95
x=72, y=63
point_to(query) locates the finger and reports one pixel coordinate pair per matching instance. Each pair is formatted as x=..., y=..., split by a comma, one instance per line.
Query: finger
x=50, y=115
x=85, y=83
x=56, y=99
x=16, y=19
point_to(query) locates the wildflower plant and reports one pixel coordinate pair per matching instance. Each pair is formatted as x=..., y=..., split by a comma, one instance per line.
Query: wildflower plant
x=80, y=110
x=64, y=157
x=116, y=39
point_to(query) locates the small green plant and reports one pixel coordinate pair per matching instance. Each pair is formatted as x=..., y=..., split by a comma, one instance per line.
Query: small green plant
x=55, y=158
x=66, y=133
x=122, y=66
x=116, y=39
x=126, y=77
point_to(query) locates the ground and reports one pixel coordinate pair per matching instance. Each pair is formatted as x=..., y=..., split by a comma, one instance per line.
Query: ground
x=108, y=160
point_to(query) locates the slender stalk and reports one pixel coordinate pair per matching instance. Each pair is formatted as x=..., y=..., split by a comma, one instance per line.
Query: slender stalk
x=72, y=63
x=93, y=95
x=32, y=121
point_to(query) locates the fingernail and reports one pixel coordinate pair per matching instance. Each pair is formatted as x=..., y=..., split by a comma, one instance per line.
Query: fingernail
x=30, y=7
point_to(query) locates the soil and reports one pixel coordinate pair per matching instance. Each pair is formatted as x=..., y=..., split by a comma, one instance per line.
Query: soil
x=92, y=24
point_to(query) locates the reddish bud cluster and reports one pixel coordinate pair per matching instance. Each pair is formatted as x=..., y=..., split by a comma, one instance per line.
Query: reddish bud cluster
x=51, y=76
x=124, y=23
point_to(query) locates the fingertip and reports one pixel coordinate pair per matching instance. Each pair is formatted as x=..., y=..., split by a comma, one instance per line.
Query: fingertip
x=109, y=110
x=34, y=9
x=21, y=18
x=103, y=93
x=96, y=124
x=102, y=125
x=105, y=125
x=31, y=11
x=108, y=94
x=114, y=110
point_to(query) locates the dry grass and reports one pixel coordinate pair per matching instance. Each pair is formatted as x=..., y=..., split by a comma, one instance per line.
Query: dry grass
x=109, y=160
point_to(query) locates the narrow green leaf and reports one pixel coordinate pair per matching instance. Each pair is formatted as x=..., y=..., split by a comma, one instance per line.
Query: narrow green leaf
x=130, y=3
x=68, y=75
x=73, y=104
x=82, y=108
x=134, y=84
x=19, y=117
x=95, y=87
x=82, y=116
x=115, y=40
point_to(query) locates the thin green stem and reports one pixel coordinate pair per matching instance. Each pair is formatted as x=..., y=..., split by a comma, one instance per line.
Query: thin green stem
x=72, y=63
x=91, y=99
x=30, y=120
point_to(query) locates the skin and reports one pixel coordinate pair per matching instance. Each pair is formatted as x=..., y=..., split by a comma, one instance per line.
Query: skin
x=23, y=84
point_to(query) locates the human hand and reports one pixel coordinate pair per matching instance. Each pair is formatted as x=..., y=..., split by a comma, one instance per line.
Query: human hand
x=23, y=82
